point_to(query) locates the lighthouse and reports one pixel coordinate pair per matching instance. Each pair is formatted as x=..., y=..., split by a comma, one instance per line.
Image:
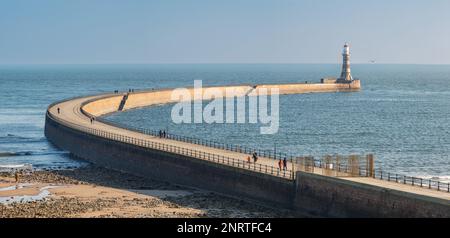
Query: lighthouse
x=346, y=79
x=346, y=75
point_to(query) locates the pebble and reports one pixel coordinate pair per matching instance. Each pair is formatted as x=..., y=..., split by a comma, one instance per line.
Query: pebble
x=199, y=204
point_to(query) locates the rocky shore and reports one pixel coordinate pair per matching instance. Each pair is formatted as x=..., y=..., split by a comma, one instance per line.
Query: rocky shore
x=97, y=192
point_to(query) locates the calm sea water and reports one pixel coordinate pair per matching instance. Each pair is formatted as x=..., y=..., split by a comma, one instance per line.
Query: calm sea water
x=401, y=115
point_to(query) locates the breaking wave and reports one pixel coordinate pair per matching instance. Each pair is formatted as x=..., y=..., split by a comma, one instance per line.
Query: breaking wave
x=31, y=153
x=10, y=138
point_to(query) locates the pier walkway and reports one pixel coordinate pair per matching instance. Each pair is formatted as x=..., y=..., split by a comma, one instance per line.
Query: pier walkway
x=71, y=114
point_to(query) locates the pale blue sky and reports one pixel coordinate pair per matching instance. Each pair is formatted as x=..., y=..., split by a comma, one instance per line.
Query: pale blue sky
x=225, y=31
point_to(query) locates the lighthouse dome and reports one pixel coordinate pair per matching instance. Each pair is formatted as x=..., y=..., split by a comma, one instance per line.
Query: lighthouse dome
x=346, y=49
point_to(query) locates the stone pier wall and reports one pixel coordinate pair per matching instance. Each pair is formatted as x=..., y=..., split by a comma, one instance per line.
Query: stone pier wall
x=334, y=197
x=149, y=98
x=315, y=194
x=178, y=169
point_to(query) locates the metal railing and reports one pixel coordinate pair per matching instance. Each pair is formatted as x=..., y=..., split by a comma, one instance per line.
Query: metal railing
x=340, y=169
x=410, y=180
x=349, y=170
x=198, y=141
x=233, y=162
x=272, y=154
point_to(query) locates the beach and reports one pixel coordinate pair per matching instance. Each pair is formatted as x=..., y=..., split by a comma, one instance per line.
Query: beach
x=92, y=191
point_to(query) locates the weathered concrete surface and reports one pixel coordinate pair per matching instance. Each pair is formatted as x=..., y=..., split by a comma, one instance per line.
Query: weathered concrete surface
x=71, y=113
x=314, y=88
x=172, y=167
x=149, y=98
x=335, y=197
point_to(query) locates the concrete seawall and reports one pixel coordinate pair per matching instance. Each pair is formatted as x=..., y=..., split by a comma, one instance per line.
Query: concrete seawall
x=315, y=194
x=333, y=197
x=314, y=88
x=149, y=98
x=170, y=167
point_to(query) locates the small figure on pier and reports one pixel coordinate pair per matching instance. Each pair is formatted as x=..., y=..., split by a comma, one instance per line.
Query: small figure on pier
x=255, y=157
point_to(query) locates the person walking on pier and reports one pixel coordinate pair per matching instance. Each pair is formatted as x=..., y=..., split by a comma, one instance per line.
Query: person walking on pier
x=59, y=110
x=279, y=165
x=160, y=134
x=255, y=157
x=248, y=159
x=284, y=164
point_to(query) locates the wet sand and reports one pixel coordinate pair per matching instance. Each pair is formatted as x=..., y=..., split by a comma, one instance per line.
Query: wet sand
x=97, y=192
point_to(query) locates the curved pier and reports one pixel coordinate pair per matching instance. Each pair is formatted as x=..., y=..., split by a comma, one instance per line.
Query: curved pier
x=69, y=126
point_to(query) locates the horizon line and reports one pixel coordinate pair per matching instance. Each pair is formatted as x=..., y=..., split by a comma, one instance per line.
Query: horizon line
x=216, y=63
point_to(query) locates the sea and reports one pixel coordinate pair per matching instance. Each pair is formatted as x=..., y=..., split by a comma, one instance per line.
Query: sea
x=401, y=115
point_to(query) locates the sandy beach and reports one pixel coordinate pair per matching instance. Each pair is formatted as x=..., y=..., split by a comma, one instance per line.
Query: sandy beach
x=97, y=192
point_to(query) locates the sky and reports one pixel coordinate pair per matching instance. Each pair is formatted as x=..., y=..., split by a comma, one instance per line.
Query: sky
x=223, y=31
